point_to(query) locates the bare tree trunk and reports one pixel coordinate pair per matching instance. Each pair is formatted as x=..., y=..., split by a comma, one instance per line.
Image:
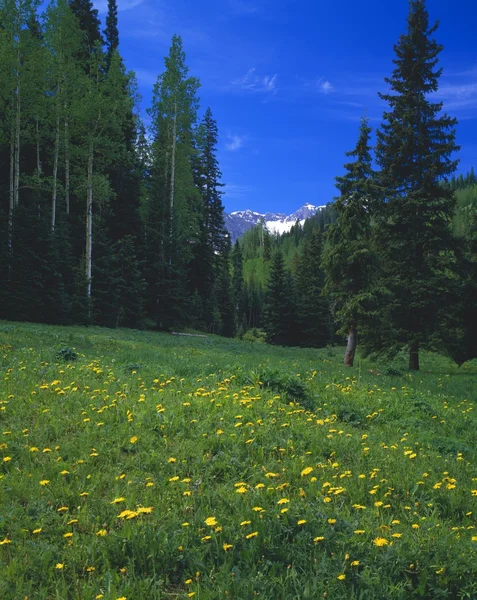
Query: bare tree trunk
x=414, y=357
x=17, y=149
x=55, y=174
x=173, y=175
x=11, y=207
x=89, y=222
x=351, y=347
x=38, y=162
x=67, y=167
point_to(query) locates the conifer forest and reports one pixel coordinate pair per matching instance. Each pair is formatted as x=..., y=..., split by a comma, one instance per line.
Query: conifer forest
x=106, y=221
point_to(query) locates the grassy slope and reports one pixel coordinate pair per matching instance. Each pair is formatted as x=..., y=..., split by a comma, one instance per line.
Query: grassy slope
x=362, y=491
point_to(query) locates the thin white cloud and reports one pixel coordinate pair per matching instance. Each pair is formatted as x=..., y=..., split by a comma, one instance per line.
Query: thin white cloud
x=325, y=86
x=252, y=82
x=102, y=5
x=233, y=191
x=235, y=142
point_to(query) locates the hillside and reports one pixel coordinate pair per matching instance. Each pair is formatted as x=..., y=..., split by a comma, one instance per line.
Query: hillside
x=136, y=465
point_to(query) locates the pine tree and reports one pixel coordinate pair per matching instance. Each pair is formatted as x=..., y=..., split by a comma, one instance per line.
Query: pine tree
x=414, y=150
x=279, y=311
x=238, y=286
x=111, y=32
x=313, y=311
x=348, y=260
x=89, y=24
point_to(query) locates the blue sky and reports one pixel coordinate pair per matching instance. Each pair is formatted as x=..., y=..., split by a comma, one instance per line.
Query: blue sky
x=288, y=80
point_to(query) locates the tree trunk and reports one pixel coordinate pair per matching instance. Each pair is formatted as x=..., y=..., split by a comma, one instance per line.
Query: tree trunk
x=89, y=223
x=67, y=167
x=38, y=162
x=414, y=357
x=17, y=149
x=351, y=347
x=173, y=176
x=11, y=207
x=55, y=174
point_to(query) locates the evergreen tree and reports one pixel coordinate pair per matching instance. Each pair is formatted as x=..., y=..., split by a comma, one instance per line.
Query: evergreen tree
x=279, y=311
x=238, y=286
x=414, y=151
x=348, y=260
x=89, y=24
x=111, y=32
x=313, y=311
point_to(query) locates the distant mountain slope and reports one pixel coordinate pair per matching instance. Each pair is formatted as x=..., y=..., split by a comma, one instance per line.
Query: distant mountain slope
x=240, y=221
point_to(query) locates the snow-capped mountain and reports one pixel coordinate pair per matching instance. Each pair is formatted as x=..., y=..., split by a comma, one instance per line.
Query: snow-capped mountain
x=240, y=221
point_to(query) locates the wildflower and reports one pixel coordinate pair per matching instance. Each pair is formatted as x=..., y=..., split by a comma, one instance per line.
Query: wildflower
x=5, y=541
x=306, y=471
x=396, y=535
x=257, y=509
x=68, y=535
x=359, y=531
x=172, y=460
x=44, y=482
x=355, y=563
x=206, y=538
x=341, y=577
x=415, y=526
x=188, y=581
x=283, y=501
x=227, y=547
x=145, y=510
x=301, y=522
x=117, y=500
x=331, y=521
x=102, y=532
x=210, y=521
x=379, y=541
x=7, y=459
x=241, y=490
x=37, y=530
x=60, y=566
x=251, y=535
x=185, y=524
x=243, y=523
x=320, y=538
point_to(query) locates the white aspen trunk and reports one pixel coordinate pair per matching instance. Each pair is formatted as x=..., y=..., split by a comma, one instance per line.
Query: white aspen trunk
x=38, y=162
x=67, y=166
x=89, y=222
x=55, y=174
x=11, y=207
x=173, y=175
x=17, y=149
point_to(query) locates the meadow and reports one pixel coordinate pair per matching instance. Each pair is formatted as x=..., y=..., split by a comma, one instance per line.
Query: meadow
x=137, y=465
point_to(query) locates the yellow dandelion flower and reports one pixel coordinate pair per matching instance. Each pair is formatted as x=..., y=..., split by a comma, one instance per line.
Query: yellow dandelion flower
x=320, y=538
x=331, y=521
x=134, y=439
x=172, y=460
x=415, y=526
x=188, y=581
x=44, y=482
x=102, y=532
x=396, y=535
x=68, y=535
x=354, y=563
x=210, y=521
x=257, y=509
x=5, y=541
x=185, y=524
x=145, y=510
x=243, y=523
x=117, y=500
x=37, y=530
x=60, y=566
x=341, y=577
x=380, y=541
x=359, y=531
x=306, y=471
x=251, y=535
x=227, y=547
x=206, y=538
x=7, y=459
x=283, y=501
x=301, y=522
x=241, y=490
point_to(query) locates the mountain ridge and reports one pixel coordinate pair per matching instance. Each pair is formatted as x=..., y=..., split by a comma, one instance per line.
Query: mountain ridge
x=240, y=221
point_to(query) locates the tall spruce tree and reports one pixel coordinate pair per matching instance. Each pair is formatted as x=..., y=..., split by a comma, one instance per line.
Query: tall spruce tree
x=279, y=310
x=313, y=311
x=414, y=151
x=111, y=33
x=348, y=260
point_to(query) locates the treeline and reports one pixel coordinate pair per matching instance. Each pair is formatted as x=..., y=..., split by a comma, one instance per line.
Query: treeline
x=397, y=269
x=101, y=220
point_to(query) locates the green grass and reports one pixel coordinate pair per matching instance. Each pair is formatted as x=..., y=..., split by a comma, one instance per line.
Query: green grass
x=245, y=470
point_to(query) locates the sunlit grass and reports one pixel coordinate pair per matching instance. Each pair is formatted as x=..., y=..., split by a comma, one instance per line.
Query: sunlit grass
x=159, y=467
